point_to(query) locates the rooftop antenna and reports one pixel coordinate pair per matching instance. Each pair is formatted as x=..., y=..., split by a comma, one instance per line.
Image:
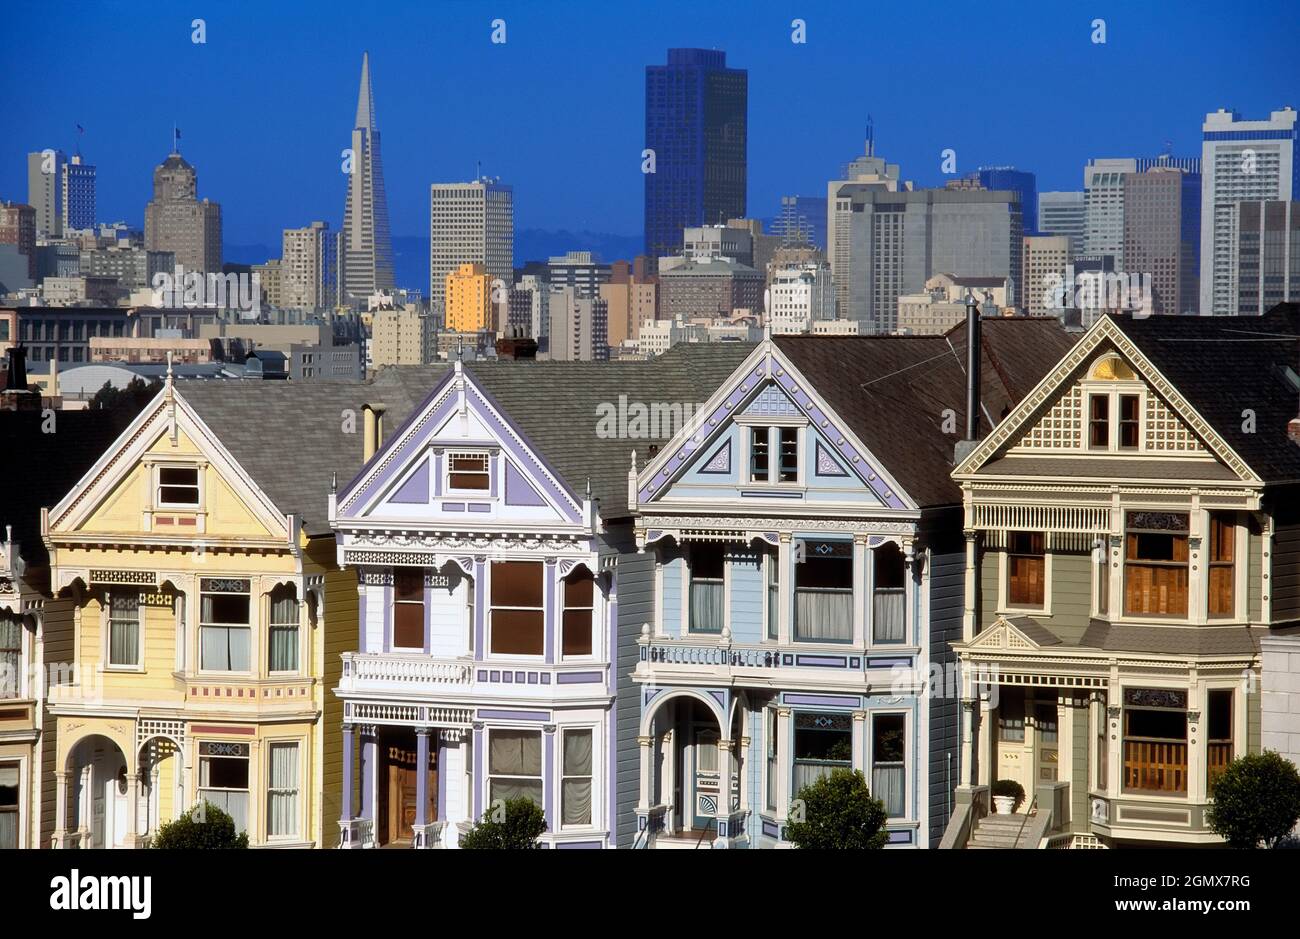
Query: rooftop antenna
x=871, y=136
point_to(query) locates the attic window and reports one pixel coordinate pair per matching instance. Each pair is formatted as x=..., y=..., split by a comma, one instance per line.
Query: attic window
x=467, y=471
x=1112, y=368
x=178, y=485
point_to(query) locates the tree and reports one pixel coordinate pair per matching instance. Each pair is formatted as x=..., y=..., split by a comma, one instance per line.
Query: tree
x=510, y=825
x=205, y=828
x=838, y=812
x=1256, y=800
x=134, y=396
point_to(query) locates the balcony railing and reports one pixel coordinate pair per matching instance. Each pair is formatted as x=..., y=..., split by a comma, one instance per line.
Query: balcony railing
x=823, y=614
x=397, y=669
x=673, y=652
x=888, y=616
x=1155, y=765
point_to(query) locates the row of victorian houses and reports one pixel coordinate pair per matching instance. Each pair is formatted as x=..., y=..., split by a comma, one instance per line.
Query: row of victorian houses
x=658, y=598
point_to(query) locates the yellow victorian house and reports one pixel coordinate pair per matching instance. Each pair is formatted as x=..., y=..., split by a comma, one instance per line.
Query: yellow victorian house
x=208, y=617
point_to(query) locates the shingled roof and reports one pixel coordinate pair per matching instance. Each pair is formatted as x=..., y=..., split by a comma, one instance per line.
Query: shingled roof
x=47, y=464
x=1226, y=365
x=893, y=390
x=555, y=405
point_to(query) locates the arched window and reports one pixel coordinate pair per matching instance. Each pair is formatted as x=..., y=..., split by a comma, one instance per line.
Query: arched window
x=283, y=633
x=1112, y=368
x=579, y=603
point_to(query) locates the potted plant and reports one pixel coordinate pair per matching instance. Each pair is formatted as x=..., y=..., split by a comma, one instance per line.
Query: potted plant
x=1007, y=796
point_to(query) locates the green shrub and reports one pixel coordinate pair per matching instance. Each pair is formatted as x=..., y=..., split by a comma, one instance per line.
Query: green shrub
x=1256, y=801
x=837, y=812
x=203, y=828
x=510, y=825
x=1009, y=787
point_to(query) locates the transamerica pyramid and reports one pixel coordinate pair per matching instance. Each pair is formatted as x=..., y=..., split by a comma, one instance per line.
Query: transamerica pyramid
x=367, y=246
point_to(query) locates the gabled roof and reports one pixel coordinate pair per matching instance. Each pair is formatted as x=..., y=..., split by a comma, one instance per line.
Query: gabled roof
x=44, y=465
x=555, y=405
x=893, y=390
x=1226, y=365
x=290, y=437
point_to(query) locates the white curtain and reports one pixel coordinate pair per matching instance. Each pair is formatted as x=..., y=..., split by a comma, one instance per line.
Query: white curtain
x=11, y=644
x=576, y=794
x=123, y=628
x=887, y=615
x=233, y=803
x=225, y=648
x=706, y=605
x=887, y=786
x=808, y=772
x=282, y=794
x=515, y=753
x=284, y=633
x=823, y=613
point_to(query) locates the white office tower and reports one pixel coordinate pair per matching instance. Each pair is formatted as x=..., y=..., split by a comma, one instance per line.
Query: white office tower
x=1241, y=161
x=1103, y=196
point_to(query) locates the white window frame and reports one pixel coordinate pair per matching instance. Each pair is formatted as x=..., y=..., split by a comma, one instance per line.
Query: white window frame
x=106, y=621
x=24, y=796
x=160, y=503
x=562, y=594
x=299, y=606
x=488, y=775
x=773, y=426
x=253, y=641
x=1004, y=581
x=490, y=569
x=689, y=580
x=269, y=745
x=250, y=812
x=24, y=657
x=424, y=613
x=562, y=776
x=486, y=455
x=909, y=809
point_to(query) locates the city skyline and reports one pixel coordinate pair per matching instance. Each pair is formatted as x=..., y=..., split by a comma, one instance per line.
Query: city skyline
x=918, y=109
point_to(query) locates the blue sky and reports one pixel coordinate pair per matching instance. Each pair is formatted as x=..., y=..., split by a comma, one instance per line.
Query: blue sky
x=266, y=104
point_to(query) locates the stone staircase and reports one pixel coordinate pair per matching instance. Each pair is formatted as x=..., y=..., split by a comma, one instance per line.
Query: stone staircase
x=1002, y=831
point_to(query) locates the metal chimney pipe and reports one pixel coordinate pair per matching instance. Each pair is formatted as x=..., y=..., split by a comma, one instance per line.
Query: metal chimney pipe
x=972, y=367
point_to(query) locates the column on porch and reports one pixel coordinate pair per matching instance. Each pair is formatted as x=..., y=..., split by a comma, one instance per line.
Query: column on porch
x=60, y=809
x=369, y=767
x=860, y=742
x=349, y=738
x=723, y=813
x=785, y=756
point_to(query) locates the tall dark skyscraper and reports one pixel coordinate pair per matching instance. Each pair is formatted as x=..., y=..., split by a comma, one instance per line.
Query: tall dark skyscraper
x=696, y=120
x=1014, y=180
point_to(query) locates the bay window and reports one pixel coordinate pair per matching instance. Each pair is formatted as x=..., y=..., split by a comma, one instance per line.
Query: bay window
x=707, y=610
x=579, y=600
x=823, y=743
x=515, y=765
x=575, y=782
x=1156, y=564
x=823, y=592
x=888, y=762
x=124, y=628
x=223, y=778
x=282, y=791
x=1155, y=740
x=408, y=608
x=888, y=600
x=516, y=618
x=283, y=651
x=224, y=625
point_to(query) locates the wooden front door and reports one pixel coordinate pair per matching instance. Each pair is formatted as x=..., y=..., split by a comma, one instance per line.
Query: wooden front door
x=397, y=790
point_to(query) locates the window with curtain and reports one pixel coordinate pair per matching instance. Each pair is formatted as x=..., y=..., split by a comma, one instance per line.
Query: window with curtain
x=1223, y=573
x=124, y=628
x=1156, y=564
x=773, y=594
x=515, y=765
x=888, y=763
x=788, y=468
x=575, y=786
x=283, y=655
x=517, y=618
x=889, y=598
x=282, y=791
x=759, y=454
x=8, y=806
x=823, y=592
x=823, y=743
x=706, y=566
x=1026, y=569
x=11, y=656
x=224, y=625
x=773, y=756
x=579, y=599
x=408, y=608
x=223, y=778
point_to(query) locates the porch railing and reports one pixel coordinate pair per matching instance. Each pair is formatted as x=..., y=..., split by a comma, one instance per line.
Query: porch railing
x=357, y=833
x=650, y=825
x=888, y=623
x=404, y=669
x=1155, y=765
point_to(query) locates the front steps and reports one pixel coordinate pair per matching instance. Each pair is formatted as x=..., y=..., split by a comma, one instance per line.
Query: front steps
x=1002, y=831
